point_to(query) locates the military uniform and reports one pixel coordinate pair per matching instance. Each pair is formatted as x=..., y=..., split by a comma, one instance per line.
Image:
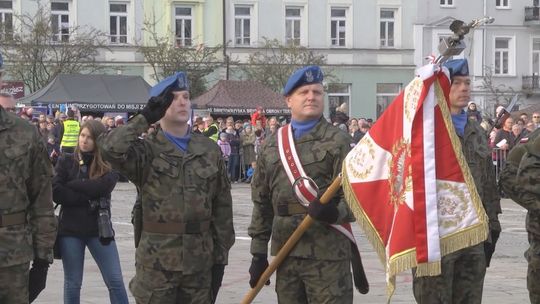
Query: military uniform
x=463, y=272
x=27, y=222
x=520, y=179
x=317, y=269
x=186, y=210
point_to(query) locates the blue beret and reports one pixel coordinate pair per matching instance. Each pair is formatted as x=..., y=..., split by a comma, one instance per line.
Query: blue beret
x=178, y=82
x=306, y=75
x=457, y=67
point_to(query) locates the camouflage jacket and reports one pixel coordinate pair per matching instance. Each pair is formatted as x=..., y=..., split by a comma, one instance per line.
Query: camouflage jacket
x=25, y=186
x=175, y=187
x=321, y=153
x=478, y=155
x=520, y=179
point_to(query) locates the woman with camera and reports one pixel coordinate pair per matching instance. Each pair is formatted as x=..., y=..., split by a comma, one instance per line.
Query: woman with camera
x=82, y=186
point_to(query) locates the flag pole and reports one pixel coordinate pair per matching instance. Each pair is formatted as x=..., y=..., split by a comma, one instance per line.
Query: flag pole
x=291, y=242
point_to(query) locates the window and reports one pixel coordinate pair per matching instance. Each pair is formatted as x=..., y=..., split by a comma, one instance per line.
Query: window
x=338, y=26
x=242, y=24
x=60, y=21
x=502, y=3
x=338, y=94
x=118, y=23
x=183, y=26
x=447, y=2
x=387, y=17
x=502, y=54
x=536, y=56
x=386, y=93
x=293, y=17
x=6, y=20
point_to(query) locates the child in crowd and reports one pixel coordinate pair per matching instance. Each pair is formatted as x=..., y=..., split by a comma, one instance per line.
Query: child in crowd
x=225, y=146
x=250, y=172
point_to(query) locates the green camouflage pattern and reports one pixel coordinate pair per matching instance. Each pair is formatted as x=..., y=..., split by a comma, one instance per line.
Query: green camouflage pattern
x=478, y=155
x=462, y=277
x=322, y=281
x=25, y=186
x=461, y=280
x=150, y=286
x=190, y=187
x=321, y=152
x=520, y=180
x=14, y=284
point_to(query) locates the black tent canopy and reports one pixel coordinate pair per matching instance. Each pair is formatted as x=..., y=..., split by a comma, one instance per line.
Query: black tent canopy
x=93, y=93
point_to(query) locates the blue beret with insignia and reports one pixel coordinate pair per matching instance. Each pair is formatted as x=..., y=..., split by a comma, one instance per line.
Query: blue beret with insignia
x=178, y=82
x=306, y=75
x=457, y=67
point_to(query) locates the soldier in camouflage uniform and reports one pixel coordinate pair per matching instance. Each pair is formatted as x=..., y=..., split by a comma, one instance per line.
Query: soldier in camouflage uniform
x=520, y=179
x=185, y=195
x=27, y=221
x=318, y=268
x=462, y=272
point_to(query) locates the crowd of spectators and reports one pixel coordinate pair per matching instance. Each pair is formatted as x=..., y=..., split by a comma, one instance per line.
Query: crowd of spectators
x=240, y=140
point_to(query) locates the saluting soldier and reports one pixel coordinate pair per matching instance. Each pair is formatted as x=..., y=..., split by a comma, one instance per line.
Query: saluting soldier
x=520, y=179
x=27, y=222
x=318, y=269
x=185, y=195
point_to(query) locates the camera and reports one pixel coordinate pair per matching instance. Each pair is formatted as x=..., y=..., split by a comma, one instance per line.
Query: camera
x=105, y=229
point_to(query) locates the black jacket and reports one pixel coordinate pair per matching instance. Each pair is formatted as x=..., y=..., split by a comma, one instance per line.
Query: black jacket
x=73, y=190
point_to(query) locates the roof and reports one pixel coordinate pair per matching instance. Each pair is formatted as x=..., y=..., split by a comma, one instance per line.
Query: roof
x=93, y=92
x=241, y=97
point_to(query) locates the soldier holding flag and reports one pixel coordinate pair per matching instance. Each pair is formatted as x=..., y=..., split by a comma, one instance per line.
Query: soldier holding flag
x=318, y=268
x=462, y=272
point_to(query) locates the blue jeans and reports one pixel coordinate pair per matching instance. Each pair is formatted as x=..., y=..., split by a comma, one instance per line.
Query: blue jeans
x=234, y=167
x=106, y=257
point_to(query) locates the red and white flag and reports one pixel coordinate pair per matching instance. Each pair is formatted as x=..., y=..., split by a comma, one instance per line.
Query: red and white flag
x=408, y=183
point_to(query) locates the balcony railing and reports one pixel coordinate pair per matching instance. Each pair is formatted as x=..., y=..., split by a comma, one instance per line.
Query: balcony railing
x=532, y=14
x=531, y=82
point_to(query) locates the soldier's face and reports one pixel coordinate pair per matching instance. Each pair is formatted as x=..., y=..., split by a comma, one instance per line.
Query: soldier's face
x=460, y=92
x=180, y=108
x=306, y=102
x=86, y=142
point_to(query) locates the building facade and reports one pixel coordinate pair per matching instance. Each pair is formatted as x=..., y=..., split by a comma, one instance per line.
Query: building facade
x=504, y=56
x=367, y=44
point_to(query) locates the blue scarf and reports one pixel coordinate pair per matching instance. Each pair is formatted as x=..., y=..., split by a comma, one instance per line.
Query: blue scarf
x=180, y=142
x=302, y=127
x=460, y=120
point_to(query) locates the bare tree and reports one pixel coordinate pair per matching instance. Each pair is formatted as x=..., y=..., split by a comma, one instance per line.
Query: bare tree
x=497, y=94
x=38, y=50
x=167, y=58
x=275, y=62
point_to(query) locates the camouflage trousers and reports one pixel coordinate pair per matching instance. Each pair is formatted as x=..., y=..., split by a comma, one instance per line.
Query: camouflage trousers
x=314, y=281
x=150, y=286
x=533, y=271
x=461, y=280
x=14, y=284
